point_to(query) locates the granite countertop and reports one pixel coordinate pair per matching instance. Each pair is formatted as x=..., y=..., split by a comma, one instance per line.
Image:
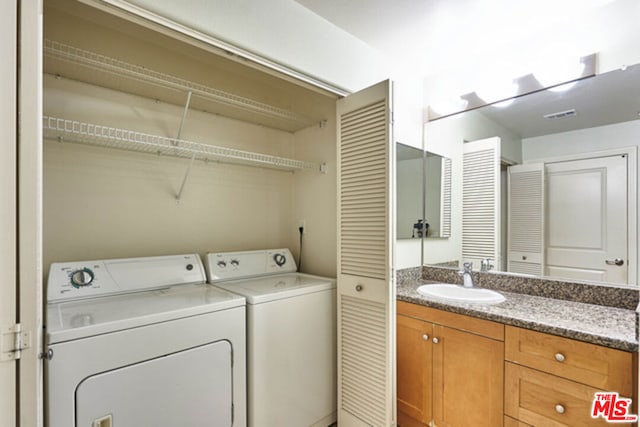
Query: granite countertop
x=597, y=324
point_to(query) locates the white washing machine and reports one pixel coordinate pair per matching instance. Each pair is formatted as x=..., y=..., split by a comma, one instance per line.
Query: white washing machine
x=143, y=342
x=291, y=337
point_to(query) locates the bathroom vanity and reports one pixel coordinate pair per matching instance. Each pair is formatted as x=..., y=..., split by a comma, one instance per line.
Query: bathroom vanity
x=529, y=361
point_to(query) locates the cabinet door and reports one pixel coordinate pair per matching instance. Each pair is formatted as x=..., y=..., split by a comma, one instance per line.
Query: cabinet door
x=414, y=369
x=467, y=379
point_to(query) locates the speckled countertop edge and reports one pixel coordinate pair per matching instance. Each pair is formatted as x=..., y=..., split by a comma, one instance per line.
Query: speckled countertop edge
x=596, y=324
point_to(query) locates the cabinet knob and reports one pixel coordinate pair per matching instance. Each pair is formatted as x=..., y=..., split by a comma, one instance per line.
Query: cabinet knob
x=559, y=357
x=560, y=409
x=425, y=337
x=359, y=288
x=435, y=340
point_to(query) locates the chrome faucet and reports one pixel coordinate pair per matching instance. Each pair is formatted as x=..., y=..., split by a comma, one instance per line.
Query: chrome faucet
x=467, y=278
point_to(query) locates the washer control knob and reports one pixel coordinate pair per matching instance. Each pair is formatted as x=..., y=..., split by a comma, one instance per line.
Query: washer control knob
x=82, y=277
x=279, y=259
x=235, y=262
x=222, y=264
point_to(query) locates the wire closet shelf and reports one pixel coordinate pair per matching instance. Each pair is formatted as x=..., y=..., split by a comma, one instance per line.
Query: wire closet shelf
x=103, y=63
x=123, y=139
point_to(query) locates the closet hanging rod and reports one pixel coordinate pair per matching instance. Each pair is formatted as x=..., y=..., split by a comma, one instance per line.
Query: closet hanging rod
x=124, y=139
x=96, y=61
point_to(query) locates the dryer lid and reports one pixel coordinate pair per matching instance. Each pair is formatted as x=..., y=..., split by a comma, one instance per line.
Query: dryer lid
x=276, y=287
x=83, y=318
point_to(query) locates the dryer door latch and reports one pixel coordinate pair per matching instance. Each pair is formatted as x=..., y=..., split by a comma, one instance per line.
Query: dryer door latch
x=12, y=341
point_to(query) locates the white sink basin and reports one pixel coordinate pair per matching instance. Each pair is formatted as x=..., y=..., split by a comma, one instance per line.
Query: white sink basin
x=461, y=294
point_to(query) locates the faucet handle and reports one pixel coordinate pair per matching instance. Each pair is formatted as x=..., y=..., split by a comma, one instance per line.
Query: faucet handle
x=467, y=267
x=486, y=264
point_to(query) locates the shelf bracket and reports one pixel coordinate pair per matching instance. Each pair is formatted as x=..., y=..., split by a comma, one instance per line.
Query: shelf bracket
x=184, y=114
x=193, y=157
x=186, y=175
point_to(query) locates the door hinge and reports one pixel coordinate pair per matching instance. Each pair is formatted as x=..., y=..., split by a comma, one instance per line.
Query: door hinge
x=12, y=341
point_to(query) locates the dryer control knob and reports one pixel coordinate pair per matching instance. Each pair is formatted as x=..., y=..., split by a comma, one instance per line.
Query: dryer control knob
x=222, y=264
x=82, y=277
x=279, y=259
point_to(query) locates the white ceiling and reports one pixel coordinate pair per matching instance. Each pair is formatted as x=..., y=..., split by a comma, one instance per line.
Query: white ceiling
x=434, y=35
x=441, y=37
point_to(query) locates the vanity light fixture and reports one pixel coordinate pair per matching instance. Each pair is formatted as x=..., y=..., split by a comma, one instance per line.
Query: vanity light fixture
x=559, y=70
x=446, y=106
x=496, y=90
x=501, y=90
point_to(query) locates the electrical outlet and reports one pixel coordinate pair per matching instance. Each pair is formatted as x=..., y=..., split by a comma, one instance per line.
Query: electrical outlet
x=303, y=223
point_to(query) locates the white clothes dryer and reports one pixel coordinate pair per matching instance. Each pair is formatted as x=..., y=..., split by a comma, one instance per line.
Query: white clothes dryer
x=143, y=342
x=291, y=337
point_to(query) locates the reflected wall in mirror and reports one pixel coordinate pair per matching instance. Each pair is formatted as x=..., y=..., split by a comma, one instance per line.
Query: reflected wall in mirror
x=423, y=182
x=546, y=184
x=409, y=194
x=437, y=195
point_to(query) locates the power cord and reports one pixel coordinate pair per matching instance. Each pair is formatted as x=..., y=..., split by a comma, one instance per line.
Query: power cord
x=301, y=230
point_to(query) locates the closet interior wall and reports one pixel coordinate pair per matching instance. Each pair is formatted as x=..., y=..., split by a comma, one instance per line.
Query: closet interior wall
x=103, y=202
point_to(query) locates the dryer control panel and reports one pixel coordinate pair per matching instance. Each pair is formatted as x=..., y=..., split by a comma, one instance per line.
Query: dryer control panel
x=237, y=265
x=84, y=279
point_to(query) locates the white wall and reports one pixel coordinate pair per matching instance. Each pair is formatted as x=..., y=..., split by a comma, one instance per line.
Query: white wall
x=315, y=199
x=626, y=134
x=102, y=203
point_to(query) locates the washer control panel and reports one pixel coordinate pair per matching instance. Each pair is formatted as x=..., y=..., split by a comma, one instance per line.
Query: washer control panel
x=236, y=265
x=84, y=279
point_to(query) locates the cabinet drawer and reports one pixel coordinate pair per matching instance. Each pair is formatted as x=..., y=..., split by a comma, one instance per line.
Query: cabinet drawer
x=485, y=328
x=541, y=399
x=597, y=366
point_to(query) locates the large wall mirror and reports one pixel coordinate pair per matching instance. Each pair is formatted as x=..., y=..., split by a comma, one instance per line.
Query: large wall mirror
x=546, y=183
x=423, y=196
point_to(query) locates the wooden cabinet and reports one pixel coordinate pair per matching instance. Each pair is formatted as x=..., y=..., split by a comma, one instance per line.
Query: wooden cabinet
x=449, y=369
x=450, y=372
x=414, y=367
x=551, y=381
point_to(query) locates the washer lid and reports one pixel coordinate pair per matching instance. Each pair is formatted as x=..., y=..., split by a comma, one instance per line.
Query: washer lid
x=79, y=319
x=279, y=286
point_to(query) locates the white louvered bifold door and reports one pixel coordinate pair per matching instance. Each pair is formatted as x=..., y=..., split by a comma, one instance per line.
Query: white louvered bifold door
x=366, y=289
x=481, y=200
x=445, y=197
x=526, y=219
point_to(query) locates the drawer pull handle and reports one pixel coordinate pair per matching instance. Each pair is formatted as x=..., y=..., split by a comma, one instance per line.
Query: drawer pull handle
x=560, y=409
x=435, y=340
x=425, y=337
x=559, y=357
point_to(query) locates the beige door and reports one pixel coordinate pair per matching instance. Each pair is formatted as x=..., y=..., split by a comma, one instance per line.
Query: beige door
x=8, y=209
x=587, y=219
x=30, y=405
